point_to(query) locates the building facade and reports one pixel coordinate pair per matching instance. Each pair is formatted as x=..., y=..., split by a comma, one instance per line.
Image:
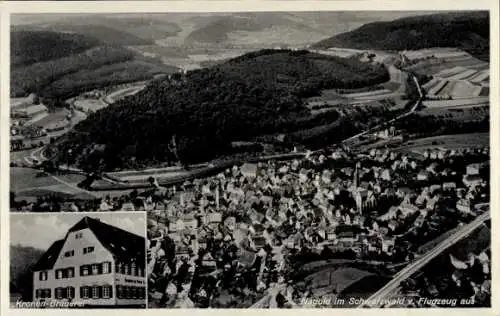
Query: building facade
x=96, y=264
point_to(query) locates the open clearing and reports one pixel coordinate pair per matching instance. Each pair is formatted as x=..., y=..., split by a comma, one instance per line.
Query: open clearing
x=25, y=180
x=90, y=104
x=159, y=173
x=455, y=141
x=466, y=102
x=53, y=118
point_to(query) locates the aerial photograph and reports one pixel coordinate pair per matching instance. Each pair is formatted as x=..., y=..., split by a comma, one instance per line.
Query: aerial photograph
x=282, y=159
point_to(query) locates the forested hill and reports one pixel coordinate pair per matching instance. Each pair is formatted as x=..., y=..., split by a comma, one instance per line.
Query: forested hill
x=256, y=94
x=57, y=65
x=22, y=259
x=465, y=30
x=29, y=47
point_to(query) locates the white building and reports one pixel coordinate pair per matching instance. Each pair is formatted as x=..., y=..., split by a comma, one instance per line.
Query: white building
x=95, y=264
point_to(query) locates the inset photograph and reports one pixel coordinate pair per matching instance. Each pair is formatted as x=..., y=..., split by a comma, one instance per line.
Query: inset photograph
x=78, y=260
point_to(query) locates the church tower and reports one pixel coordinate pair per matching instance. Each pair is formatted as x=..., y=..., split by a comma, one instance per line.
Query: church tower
x=356, y=176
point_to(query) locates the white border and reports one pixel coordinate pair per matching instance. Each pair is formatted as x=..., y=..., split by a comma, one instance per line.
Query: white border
x=233, y=6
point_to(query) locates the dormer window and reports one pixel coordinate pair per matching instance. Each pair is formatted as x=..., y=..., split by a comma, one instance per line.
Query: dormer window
x=88, y=250
x=78, y=235
x=69, y=253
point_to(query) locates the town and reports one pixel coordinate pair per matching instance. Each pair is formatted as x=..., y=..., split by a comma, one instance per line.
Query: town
x=244, y=225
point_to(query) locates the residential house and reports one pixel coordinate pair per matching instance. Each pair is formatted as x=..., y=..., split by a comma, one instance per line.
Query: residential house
x=472, y=180
x=473, y=169
x=423, y=176
x=449, y=186
x=464, y=206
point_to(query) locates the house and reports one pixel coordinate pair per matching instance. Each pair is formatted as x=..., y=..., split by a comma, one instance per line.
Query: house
x=386, y=175
x=472, y=180
x=214, y=218
x=96, y=264
x=464, y=206
x=423, y=176
x=434, y=188
x=473, y=169
x=449, y=186
x=249, y=170
x=390, y=214
x=189, y=221
x=387, y=243
x=208, y=261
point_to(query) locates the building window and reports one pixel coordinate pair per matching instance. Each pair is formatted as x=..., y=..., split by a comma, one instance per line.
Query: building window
x=106, y=291
x=95, y=292
x=84, y=270
x=42, y=293
x=126, y=269
x=59, y=293
x=117, y=267
x=70, y=292
x=84, y=292
x=95, y=269
x=78, y=235
x=87, y=250
x=71, y=272
x=70, y=253
x=119, y=291
x=59, y=274
x=43, y=276
x=106, y=267
x=133, y=269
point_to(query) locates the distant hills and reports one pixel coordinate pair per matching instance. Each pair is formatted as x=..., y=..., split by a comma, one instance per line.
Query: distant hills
x=256, y=94
x=59, y=65
x=465, y=30
x=22, y=259
x=28, y=47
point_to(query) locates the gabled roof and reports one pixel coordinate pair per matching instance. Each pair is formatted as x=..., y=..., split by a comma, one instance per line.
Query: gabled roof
x=122, y=244
x=125, y=246
x=48, y=259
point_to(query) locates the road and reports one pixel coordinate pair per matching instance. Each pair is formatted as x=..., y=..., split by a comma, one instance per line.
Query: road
x=418, y=264
x=71, y=185
x=110, y=98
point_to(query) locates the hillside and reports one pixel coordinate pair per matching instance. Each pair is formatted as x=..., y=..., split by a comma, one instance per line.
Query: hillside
x=21, y=260
x=244, y=27
x=29, y=47
x=256, y=94
x=465, y=30
x=79, y=63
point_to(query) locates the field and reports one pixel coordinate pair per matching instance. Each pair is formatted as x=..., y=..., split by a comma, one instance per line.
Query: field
x=158, y=173
x=466, y=112
x=52, y=118
x=456, y=74
x=335, y=279
x=458, y=141
x=25, y=180
x=458, y=103
x=90, y=104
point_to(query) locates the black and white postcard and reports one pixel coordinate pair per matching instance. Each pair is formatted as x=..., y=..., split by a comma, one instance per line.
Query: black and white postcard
x=252, y=159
